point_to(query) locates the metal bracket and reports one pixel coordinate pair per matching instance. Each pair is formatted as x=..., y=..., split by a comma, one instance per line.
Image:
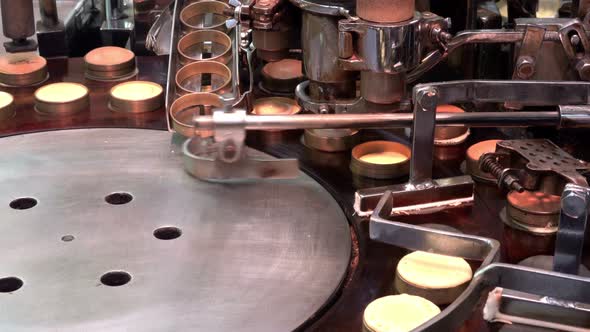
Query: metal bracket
x=384, y=48
x=445, y=193
x=573, y=218
x=554, y=291
x=225, y=157
x=527, y=54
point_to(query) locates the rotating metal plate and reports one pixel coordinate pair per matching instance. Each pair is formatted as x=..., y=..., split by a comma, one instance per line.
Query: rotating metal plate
x=261, y=256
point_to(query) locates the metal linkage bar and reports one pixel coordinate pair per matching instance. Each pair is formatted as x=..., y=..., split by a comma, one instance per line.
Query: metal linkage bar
x=523, y=92
x=573, y=219
x=389, y=120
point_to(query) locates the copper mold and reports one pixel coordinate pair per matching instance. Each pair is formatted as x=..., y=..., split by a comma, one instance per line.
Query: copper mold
x=186, y=108
x=138, y=97
x=22, y=69
x=190, y=78
x=110, y=63
x=398, y=153
x=331, y=140
x=214, y=42
x=194, y=16
x=64, y=103
x=275, y=106
x=450, y=135
x=533, y=211
x=282, y=76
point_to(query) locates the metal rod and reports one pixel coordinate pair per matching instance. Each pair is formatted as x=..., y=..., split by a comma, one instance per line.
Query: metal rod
x=48, y=9
x=388, y=120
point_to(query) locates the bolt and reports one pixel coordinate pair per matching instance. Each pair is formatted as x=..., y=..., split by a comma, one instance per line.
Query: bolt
x=525, y=67
x=427, y=99
x=488, y=164
x=573, y=205
x=575, y=40
x=324, y=109
x=583, y=68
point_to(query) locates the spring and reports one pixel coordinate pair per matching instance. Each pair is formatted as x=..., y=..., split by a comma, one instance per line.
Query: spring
x=490, y=165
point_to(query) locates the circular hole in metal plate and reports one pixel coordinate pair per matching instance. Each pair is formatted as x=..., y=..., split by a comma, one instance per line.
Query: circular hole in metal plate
x=119, y=198
x=167, y=233
x=115, y=278
x=23, y=203
x=10, y=284
x=67, y=238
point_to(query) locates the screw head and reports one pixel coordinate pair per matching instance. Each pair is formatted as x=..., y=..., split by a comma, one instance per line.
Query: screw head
x=583, y=68
x=525, y=67
x=573, y=205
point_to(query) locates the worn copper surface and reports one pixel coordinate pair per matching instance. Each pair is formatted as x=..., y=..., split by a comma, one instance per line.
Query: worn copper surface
x=534, y=208
x=22, y=69
x=385, y=11
x=449, y=132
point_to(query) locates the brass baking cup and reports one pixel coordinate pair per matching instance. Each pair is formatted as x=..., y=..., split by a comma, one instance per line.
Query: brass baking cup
x=204, y=15
x=282, y=76
x=380, y=160
x=184, y=110
x=62, y=98
x=204, y=45
x=533, y=211
x=275, y=106
x=136, y=97
x=22, y=69
x=203, y=76
x=6, y=106
x=110, y=63
x=330, y=140
x=449, y=132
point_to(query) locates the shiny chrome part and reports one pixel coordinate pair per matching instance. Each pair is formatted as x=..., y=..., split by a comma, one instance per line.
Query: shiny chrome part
x=438, y=195
x=224, y=157
x=536, y=310
x=550, y=286
x=573, y=220
x=202, y=160
x=384, y=48
x=242, y=255
x=413, y=237
x=328, y=80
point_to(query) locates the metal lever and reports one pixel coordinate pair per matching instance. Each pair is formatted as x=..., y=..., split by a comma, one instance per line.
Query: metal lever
x=569, y=244
x=225, y=157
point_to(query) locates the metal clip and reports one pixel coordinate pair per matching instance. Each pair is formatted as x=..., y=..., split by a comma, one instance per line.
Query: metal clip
x=225, y=157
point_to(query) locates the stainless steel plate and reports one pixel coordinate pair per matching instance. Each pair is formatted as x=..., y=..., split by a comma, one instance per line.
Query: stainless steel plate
x=261, y=256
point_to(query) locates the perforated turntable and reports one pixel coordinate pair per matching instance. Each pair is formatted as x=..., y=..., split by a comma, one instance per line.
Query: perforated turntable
x=101, y=229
